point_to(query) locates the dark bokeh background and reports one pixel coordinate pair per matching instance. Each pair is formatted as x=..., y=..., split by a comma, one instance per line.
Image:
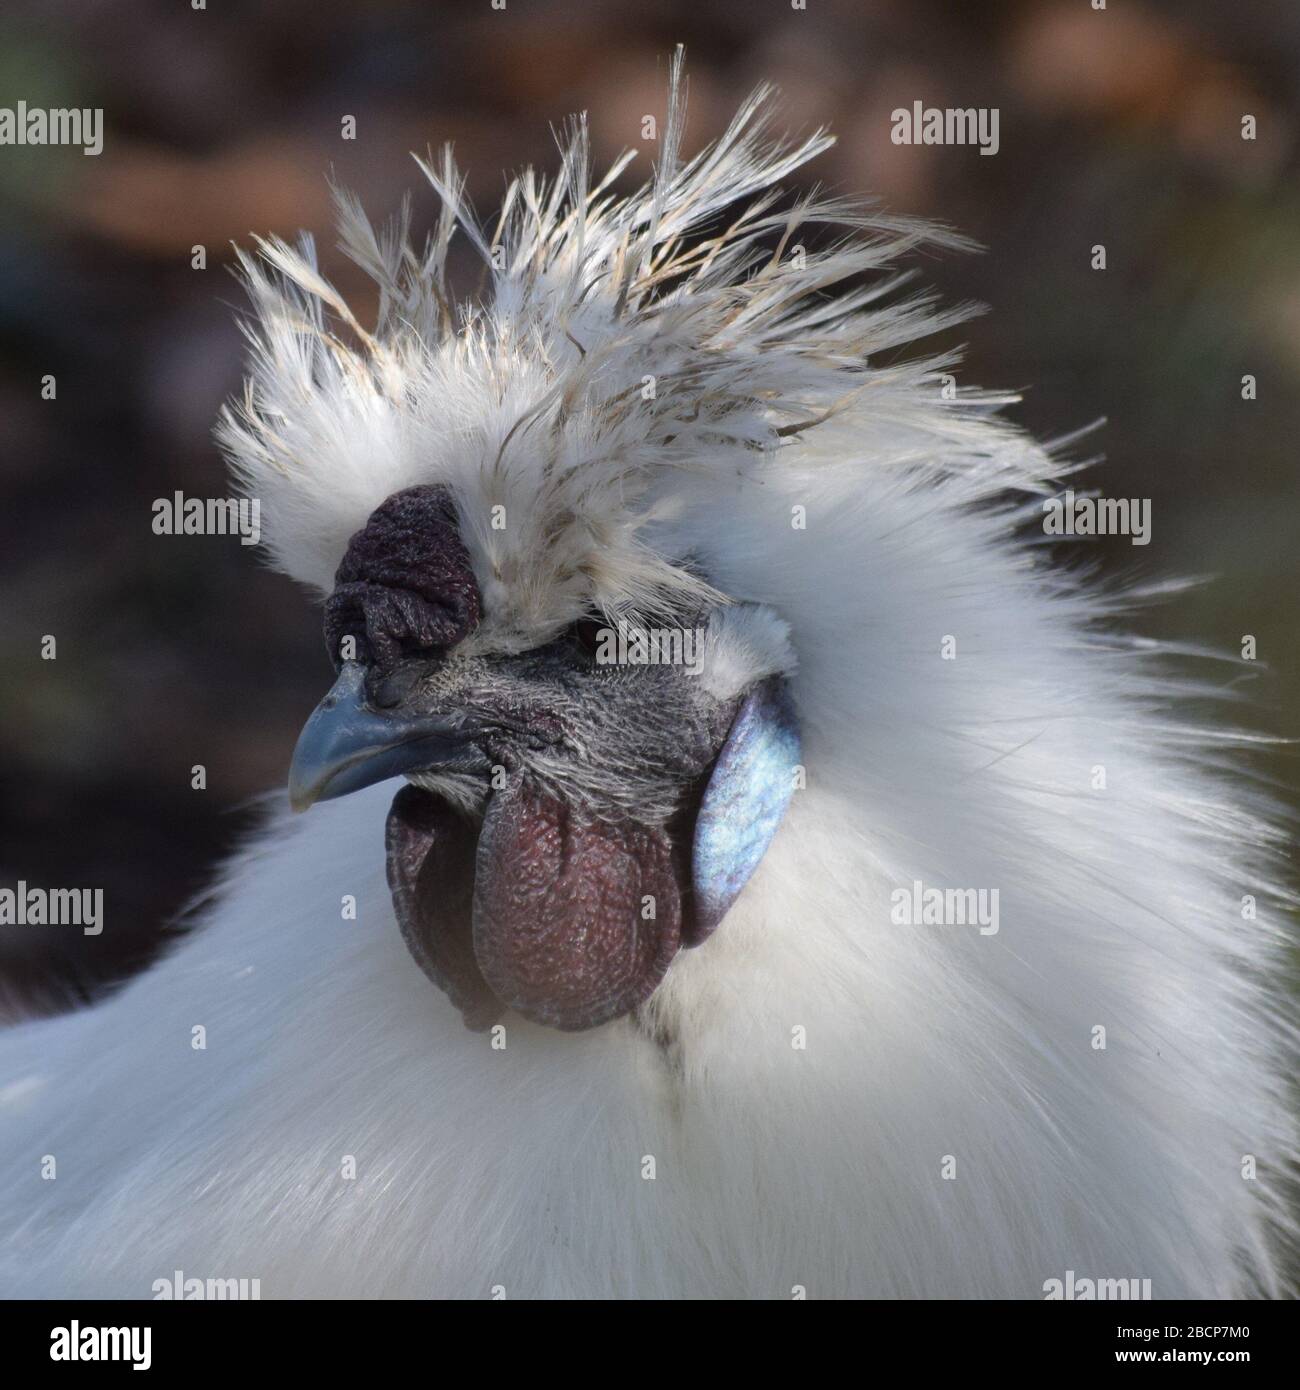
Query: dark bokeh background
x=1120, y=127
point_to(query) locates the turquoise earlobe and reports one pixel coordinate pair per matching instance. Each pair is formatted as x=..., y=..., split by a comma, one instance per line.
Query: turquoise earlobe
x=747, y=794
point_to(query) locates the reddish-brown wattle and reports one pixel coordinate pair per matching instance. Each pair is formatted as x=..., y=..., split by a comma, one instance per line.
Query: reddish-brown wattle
x=576, y=920
x=570, y=921
x=431, y=878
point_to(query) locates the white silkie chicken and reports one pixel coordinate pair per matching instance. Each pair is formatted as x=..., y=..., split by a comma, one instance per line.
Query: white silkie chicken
x=714, y=1048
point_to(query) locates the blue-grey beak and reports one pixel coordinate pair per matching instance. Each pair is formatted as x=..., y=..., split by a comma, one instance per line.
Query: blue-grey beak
x=347, y=745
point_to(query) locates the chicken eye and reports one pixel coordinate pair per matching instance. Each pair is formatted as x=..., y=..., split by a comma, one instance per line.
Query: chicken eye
x=585, y=633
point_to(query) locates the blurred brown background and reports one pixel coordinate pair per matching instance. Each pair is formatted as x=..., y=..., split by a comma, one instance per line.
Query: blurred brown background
x=1121, y=127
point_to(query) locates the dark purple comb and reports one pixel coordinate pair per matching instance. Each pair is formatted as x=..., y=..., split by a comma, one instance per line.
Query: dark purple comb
x=405, y=585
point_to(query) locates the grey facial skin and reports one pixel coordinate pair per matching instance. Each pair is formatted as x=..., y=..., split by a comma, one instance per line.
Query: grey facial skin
x=603, y=737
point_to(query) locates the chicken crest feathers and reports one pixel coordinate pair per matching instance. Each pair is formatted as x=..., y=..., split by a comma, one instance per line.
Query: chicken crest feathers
x=621, y=341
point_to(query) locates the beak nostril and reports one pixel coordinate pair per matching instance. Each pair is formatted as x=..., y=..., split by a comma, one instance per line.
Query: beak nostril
x=385, y=689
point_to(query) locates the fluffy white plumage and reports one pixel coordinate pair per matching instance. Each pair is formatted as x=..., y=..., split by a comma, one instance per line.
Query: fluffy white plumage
x=775, y=1166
